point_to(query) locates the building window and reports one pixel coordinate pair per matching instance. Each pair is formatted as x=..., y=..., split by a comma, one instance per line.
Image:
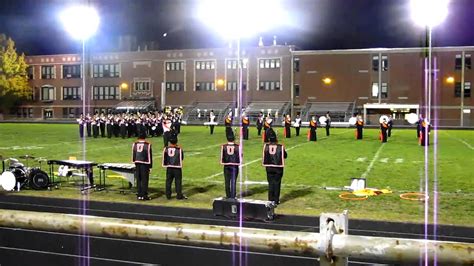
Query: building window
x=375, y=90
x=25, y=112
x=269, y=63
x=106, y=93
x=175, y=86
x=69, y=112
x=31, y=72
x=458, y=62
x=384, y=63
x=269, y=85
x=47, y=93
x=233, y=85
x=205, y=65
x=205, y=86
x=296, y=64
x=232, y=64
x=71, y=71
x=71, y=93
x=297, y=90
x=47, y=72
x=467, y=89
x=384, y=90
x=375, y=63
x=142, y=85
x=175, y=66
x=106, y=71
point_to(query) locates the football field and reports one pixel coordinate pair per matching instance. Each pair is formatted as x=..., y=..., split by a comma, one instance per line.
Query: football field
x=311, y=167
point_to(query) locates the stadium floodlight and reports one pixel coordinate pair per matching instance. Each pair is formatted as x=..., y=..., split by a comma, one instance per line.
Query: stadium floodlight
x=429, y=13
x=81, y=22
x=233, y=19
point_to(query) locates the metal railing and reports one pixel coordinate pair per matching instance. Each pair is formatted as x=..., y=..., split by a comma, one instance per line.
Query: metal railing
x=331, y=244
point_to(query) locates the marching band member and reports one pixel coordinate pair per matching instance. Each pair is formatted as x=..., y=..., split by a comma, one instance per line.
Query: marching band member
x=81, y=123
x=108, y=125
x=228, y=123
x=313, y=126
x=166, y=129
x=88, y=125
x=266, y=126
x=360, y=127
x=383, y=130
x=259, y=123
x=328, y=123
x=143, y=159
x=245, y=126
x=95, y=125
x=287, y=126
x=297, y=124
x=159, y=125
x=173, y=157
x=102, y=124
x=425, y=129
x=274, y=156
x=230, y=159
x=390, y=125
x=123, y=126
x=212, y=121
x=418, y=126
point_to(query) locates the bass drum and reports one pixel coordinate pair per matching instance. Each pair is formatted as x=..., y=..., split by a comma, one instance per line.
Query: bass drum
x=38, y=179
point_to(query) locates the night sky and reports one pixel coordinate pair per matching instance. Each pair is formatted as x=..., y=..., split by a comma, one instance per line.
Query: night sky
x=316, y=24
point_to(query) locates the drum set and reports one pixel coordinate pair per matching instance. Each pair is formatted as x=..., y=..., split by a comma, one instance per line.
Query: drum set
x=17, y=176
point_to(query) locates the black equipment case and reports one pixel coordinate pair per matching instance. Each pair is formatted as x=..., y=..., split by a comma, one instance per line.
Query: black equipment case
x=251, y=209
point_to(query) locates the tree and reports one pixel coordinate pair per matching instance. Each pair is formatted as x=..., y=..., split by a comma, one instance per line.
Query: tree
x=13, y=74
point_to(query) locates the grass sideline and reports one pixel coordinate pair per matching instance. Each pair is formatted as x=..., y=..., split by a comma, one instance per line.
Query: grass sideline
x=329, y=162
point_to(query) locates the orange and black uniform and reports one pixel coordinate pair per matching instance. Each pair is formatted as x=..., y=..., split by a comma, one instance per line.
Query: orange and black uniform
x=383, y=131
x=274, y=156
x=143, y=159
x=266, y=126
x=360, y=127
x=230, y=158
x=228, y=124
x=313, y=126
x=245, y=127
x=425, y=129
x=173, y=157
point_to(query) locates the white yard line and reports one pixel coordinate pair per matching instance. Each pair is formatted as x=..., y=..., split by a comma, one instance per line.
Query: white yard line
x=376, y=156
x=461, y=140
x=260, y=159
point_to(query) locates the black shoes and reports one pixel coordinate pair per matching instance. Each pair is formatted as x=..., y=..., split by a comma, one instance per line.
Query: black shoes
x=181, y=197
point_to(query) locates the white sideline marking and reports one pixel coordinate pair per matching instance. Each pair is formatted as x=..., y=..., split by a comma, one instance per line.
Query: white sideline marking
x=376, y=156
x=384, y=160
x=361, y=159
x=21, y=148
x=399, y=160
x=248, y=182
x=461, y=140
x=467, y=144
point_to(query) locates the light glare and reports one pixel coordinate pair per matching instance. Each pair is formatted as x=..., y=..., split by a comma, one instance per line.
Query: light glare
x=429, y=13
x=240, y=19
x=81, y=22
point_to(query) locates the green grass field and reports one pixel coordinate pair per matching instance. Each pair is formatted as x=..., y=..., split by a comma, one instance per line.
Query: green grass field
x=329, y=162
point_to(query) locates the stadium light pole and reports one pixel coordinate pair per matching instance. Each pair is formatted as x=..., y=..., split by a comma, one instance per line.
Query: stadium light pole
x=429, y=14
x=234, y=20
x=81, y=22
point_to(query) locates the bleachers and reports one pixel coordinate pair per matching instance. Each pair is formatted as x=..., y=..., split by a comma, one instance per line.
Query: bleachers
x=199, y=113
x=277, y=109
x=339, y=111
